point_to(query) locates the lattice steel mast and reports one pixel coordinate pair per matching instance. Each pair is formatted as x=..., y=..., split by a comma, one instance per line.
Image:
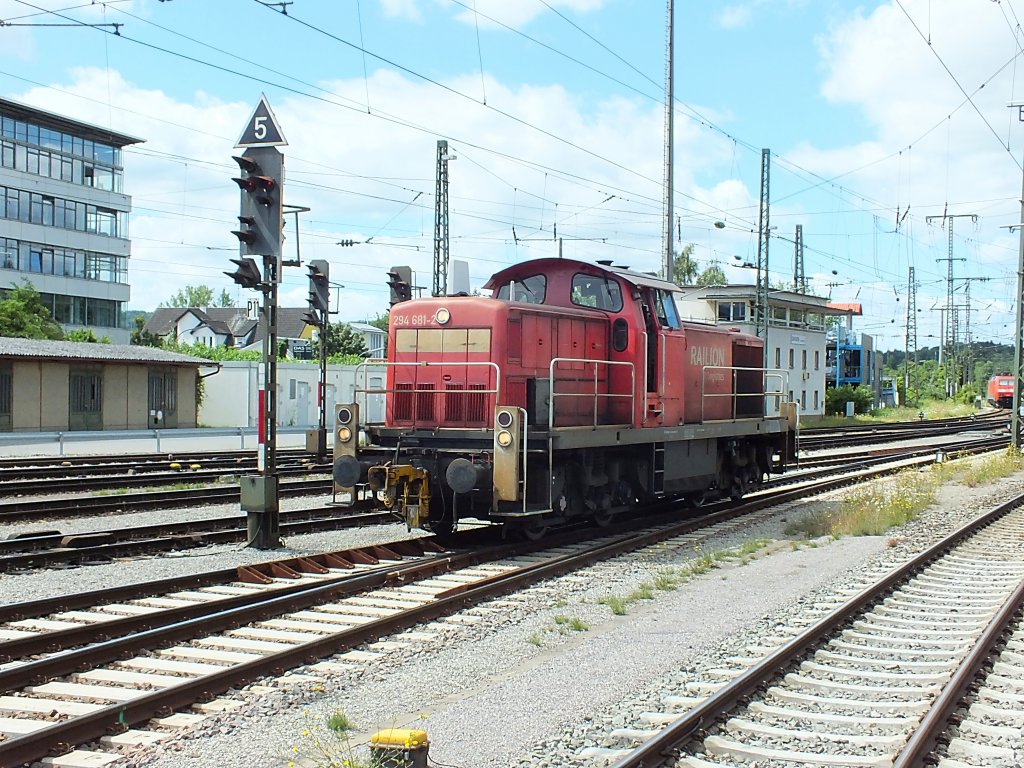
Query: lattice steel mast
x=440, y=281
x=668, y=256
x=799, y=280
x=761, y=305
x=910, y=345
x=950, y=337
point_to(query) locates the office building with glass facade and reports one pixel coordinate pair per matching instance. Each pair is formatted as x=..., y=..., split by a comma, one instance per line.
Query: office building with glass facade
x=64, y=217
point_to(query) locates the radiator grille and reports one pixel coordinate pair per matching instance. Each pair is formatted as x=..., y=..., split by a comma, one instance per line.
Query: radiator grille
x=464, y=404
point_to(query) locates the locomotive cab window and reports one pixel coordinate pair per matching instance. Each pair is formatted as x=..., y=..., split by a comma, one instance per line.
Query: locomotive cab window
x=596, y=292
x=529, y=290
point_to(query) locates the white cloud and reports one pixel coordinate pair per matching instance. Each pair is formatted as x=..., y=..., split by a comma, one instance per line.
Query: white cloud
x=360, y=174
x=402, y=9
x=519, y=13
x=734, y=16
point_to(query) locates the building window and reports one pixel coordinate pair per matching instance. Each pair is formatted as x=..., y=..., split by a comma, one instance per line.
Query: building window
x=803, y=400
x=792, y=354
x=34, y=208
x=778, y=357
x=817, y=360
x=815, y=399
x=732, y=311
x=803, y=359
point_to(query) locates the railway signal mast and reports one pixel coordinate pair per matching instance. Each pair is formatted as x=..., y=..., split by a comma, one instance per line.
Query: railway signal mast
x=261, y=185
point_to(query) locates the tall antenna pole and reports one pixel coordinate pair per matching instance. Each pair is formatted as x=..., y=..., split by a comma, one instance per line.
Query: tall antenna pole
x=669, y=133
x=910, y=347
x=799, y=280
x=440, y=282
x=761, y=308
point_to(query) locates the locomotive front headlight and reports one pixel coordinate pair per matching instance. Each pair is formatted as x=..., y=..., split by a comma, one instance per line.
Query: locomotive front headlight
x=504, y=438
x=442, y=316
x=344, y=434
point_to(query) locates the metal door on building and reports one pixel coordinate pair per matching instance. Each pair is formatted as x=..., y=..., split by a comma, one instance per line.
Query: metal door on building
x=163, y=399
x=85, y=400
x=6, y=396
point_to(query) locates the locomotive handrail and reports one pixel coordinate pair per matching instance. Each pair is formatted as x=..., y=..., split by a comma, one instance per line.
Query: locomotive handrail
x=364, y=390
x=595, y=395
x=766, y=375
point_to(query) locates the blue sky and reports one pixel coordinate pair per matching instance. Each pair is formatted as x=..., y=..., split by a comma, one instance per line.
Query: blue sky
x=553, y=110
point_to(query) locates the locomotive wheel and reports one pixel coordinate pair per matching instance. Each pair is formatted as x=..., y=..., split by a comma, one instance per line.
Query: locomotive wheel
x=603, y=519
x=534, y=530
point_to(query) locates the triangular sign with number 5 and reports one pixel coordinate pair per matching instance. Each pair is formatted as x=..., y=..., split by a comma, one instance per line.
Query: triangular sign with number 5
x=262, y=129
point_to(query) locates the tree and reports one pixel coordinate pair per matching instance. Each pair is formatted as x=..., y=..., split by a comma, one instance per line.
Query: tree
x=684, y=266
x=86, y=335
x=199, y=296
x=713, y=275
x=381, y=321
x=23, y=315
x=142, y=337
x=342, y=340
x=837, y=398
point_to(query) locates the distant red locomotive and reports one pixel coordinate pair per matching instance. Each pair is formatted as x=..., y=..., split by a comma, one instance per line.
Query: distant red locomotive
x=1000, y=391
x=572, y=391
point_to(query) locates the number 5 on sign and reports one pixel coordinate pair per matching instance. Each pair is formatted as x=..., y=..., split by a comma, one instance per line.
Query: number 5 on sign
x=262, y=129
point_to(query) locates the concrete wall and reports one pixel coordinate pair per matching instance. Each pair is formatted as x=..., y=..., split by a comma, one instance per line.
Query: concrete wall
x=186, y=398
x=230, y=397
x=116, y=398
x=39, y=400
x=41, y=394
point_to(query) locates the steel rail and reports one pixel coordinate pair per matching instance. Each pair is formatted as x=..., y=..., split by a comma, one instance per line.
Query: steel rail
x=88, y=505
x=91, y=549
x=660, y=750
x=936, y=721
x=100, y=545
x=118, y=716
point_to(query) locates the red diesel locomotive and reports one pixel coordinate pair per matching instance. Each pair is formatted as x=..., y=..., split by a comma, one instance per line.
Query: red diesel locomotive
x=572, y=391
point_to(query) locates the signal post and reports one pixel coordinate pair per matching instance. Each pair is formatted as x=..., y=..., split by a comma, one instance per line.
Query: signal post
x=260, y=234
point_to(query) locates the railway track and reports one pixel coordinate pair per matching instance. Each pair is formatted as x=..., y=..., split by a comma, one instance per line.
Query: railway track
x=125, y=657
x=22, y=510
x=875, y=681
x=54, y=548
x=106, y=478
x=818, y=439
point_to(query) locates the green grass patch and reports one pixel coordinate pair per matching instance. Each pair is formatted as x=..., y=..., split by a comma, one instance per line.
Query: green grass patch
x=617, y=604
x=578, y=625
x=874, y=510
x=991, y=468
x=340, y=723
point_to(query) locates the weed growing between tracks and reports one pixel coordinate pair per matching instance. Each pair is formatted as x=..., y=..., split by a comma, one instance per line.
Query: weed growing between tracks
x=993, y=468
x=668, y=579
x=326, y=747
x=874, y=510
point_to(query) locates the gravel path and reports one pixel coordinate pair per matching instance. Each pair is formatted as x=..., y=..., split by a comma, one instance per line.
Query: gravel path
x=517, y=688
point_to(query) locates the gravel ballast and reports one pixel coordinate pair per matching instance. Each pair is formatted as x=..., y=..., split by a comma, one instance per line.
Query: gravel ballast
x=512, y=690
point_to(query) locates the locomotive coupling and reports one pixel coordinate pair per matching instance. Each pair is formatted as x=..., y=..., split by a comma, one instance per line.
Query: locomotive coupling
x=406, y=488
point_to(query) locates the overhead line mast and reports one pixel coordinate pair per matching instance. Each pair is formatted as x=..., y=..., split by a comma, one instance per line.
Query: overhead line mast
x=669, y=143
x=441, y=241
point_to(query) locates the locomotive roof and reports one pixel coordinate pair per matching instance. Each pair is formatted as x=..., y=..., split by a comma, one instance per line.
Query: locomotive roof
x=546, y=265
